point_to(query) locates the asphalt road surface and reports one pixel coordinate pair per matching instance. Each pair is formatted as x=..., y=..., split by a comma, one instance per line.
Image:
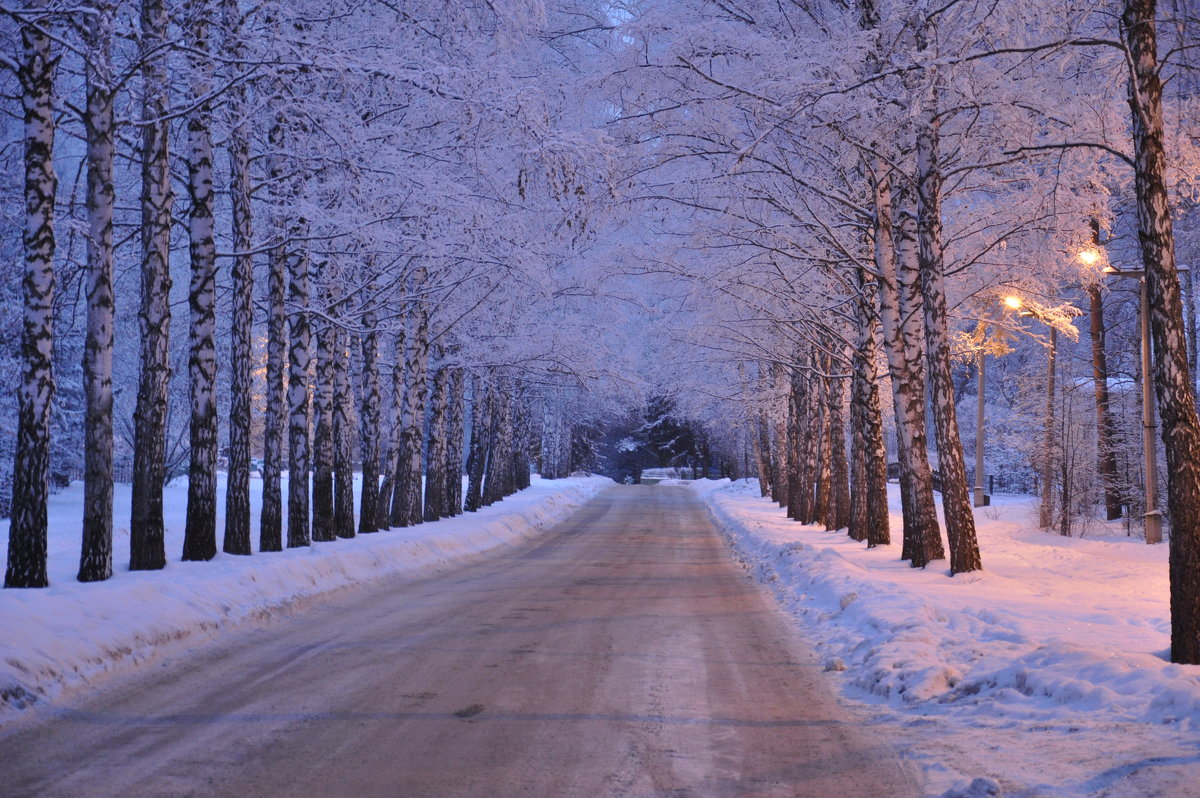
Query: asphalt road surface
x=622, y=653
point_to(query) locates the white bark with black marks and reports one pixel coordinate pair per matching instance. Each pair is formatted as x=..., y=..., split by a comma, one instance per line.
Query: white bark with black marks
x=956, y=497
x=343, y=439
x=299, y=362
x=406, y=499
x=1172, y=380
x=241, y=356
x=481, y=424
x=900, y=319
x=322, y=440
x=95, y=562
x=146, y=542
x=31, y=472
x=369, y=424
x=200, y=531
x=390, y=459
x=455, y=434
x=439, y=420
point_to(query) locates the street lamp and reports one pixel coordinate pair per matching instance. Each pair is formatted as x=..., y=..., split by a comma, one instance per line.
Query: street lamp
x=1152, y=520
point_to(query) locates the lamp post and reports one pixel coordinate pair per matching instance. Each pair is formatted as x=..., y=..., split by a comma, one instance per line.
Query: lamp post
x=980, y=496
x=1152, y=520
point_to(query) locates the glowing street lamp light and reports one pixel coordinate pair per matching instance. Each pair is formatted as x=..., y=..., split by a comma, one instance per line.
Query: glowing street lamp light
x=1090, y=257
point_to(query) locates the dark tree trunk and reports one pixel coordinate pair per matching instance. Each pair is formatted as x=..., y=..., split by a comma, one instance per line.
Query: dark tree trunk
x=522, y=443
x=390, y=461
x=822, y=416
x=435, y=473
x=95, y=561
x=299, y=360
x=147, y=549
x=781, y=463
x=454, y=444
x=369, y=426
x=200, y=531
x=271, y=520
x=343, y=439
x=480, y=435
x=500, y=448
x=323, y=457
x=764, y=457
x=31, y=471
x=837, y=514
x=1172, y=380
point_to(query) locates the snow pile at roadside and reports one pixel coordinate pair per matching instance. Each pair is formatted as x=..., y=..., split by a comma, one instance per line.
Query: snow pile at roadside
x=62, y=636
x=1064, y=634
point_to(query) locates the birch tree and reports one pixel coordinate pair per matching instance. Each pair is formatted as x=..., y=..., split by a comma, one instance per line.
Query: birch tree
x=237, y=489
x=95, y=563
x=200, y=532
x=146, y=543
x=1172, y=381
x=27, y=529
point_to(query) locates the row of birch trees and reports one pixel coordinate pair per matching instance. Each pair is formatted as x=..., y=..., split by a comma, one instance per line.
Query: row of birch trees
x=369, y=213
x=862, y=183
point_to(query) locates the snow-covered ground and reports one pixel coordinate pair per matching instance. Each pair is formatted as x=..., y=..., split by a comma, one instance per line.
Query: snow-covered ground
x=66, y=635
x=1043, y=675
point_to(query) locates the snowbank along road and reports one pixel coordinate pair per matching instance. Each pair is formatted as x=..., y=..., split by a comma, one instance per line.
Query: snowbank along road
x=622, y=653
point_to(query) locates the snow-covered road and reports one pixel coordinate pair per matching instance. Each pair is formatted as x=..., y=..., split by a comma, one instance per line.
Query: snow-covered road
x=621, y=653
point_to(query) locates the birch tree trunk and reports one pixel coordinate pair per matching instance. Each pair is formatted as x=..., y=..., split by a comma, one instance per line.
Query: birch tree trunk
x=956, y=498
x=523, y=438
x=200, y=531
x=390, y=461
x=406, y=500
x=480, y=434
x=781, y=463
x=763, y=456
x=31, y=471
x=95, y=561
x=322, y=483
x=1172, y=381
x=146, y=544
x=369, y=425
x=900, y=318
x=271, y=520
x=454, y=442
x=500, y=448
x=435, y=474
x=837, y=514
x=241, y=356
x=799, y=490
x=866, y=398
x=299, y=360
x=343, y=439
